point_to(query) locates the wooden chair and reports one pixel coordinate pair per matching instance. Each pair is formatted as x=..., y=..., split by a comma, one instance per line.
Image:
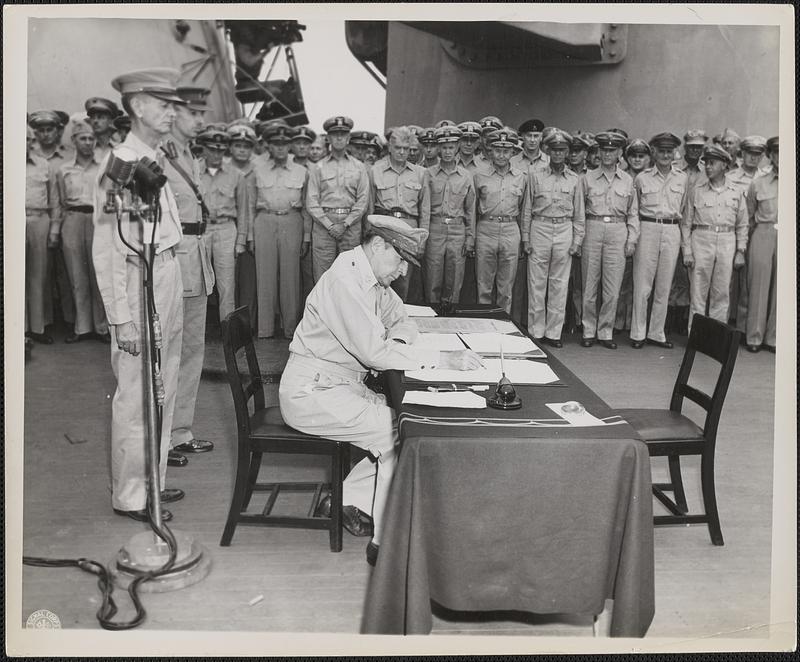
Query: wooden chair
x=670, y=434
x=264, y=431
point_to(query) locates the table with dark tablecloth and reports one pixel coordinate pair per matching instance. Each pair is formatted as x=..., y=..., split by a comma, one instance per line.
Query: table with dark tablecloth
x=515, y=510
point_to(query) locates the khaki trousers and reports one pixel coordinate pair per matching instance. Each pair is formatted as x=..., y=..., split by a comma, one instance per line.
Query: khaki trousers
x=444, y=261
x=77, y=232
x=548, y=277
x=128, y=411
x=602, y=264
x=193, y=351
x=37, y=228
x=221, y=246
x=325, y=249
x=761, y=285
x=710, y=278
x=496, y=253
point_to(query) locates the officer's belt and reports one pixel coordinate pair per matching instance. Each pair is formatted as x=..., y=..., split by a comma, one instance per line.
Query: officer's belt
x=606, y=219
x=83, y=209
x=447, y=220
x=337, y=210
x=663, y=221
x=220, y=219
x=277, y=212
x=324, y=367
x=714, y=228
x=397, y=213
x=500, y=219
x=552, y=219
x=193, y=228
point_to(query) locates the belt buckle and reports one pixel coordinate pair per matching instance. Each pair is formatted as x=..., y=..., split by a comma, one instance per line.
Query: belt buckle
x=717, y=228
x=606, y=219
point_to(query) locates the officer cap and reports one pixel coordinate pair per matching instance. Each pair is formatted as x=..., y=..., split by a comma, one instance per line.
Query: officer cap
x=442, y=123
x=39, y=118
x=415, y=129
x=531, y=125
x=267, y=124
x=716, y=152
x=772, y=144
x=363, y=138
x=729, y=133
x=428, y=136
x=621, y=132
x=448, y=134
x=547, y=132
x=340, y=123
x=196, y=98
x=490, y=123
x=407, y=241
x=214, y=135
x=695, y=137
x=122, y=122
x=304, y=133
x=637, y=146
x=81, y=127
x=242, y=133
x=103, y=105
x=579, y=142
x=756, y=144
x=558, y=138
x=665, y=139
x=502, y=138
x=611, y=139
x=159, y=82
x=242, y=121
x=278, y=133
x=470, y=129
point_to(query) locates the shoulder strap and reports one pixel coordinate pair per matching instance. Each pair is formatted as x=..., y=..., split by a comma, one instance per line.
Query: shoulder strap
x=169, y=154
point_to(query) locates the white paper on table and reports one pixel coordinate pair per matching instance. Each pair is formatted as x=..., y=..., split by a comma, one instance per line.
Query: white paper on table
x=490, y=343
x=452, y=399
x=518, y=371
x=578, y=419
x=444, y=342
x=419, y=311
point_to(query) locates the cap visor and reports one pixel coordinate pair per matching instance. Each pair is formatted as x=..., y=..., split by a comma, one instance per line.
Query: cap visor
x=166, y=96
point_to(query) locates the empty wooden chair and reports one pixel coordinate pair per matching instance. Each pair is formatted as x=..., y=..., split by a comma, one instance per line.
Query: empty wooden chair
x=668, y=433
x=263, y=431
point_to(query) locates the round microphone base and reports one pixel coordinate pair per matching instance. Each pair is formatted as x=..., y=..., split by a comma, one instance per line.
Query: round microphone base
x=499, y=402
x=146, y=552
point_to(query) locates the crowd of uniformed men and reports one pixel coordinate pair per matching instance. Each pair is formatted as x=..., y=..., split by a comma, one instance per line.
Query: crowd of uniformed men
x=602, y=230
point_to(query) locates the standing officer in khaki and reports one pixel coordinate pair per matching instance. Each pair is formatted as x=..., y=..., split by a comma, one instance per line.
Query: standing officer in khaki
x=577, y=162
x=226, y=197
x=400, y=189
x=300, y=148
x=661, y=192
x=551, y=236
x=41, y=230
x=102, y=113
x=470, y=139
x=753, y=148
x=612, y=229
x=183, y=173
x=762, y=209
x=531, y=156
x=714, y=236
x=148, y=96
x=452, y=228
x=502, y=194
x=282, y=233
x=76, y=182
x=488, y=124
x=337, y=197
x=430, y=148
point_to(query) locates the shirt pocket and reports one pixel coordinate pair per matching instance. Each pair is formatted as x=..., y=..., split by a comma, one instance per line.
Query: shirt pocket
x=650, y=195
x=458, y=193
x=767, y=202
x=75, y=185
x=36, y=189
x=411, y=192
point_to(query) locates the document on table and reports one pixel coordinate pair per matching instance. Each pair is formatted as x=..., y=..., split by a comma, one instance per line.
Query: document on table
x=444, y=342
x=519, y=371
x=490, y=343
x=578, y=419
x=419, y=311
x=463, y=325
x=452, y=399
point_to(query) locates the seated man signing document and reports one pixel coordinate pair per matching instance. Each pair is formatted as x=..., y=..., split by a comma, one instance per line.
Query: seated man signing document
x=354, y=322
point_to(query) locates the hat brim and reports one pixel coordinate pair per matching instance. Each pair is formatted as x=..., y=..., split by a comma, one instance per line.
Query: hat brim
x=164, y=96
x=697, y=142
x=338, y=129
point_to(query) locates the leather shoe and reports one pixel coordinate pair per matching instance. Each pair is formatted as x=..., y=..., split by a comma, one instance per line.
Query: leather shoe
x=664, y=345
x=76, y=337
x=43, y=338
x=142, y=515
x=753, y=348
x=171, y=494
x=372, y=553
x=553, y=342
x=103, y=337
x=194, y=446
x=608, y=344
x=769, y=348
x=587, y=342
x=176, y=459
x=357, y=523
x=637, y=344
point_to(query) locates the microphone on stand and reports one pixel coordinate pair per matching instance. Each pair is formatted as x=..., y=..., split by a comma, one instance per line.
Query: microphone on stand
x=505, y=395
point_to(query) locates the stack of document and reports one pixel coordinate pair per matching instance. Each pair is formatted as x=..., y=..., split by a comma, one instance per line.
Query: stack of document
x=454, y=400
x=419, y=311
x=443, y=342
x=463, y=325
x=518, y=371
x=492, y=343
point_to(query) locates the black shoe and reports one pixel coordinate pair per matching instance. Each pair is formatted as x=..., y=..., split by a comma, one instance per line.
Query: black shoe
x=372, y=553
x=43, y=338
x=637, y=344
x=587, y=342
x=194, y=446
x=142, y=515
x=172, y=494
x=103, y=337
x=664, y=345
x=176, y=459
x=608, y=344
x=357, y=523
x=553, y=342
x=769, y=348
x=76, y=337
x=753, y=348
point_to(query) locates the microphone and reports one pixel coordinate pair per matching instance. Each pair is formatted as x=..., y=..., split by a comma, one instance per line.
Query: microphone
x=505, y=395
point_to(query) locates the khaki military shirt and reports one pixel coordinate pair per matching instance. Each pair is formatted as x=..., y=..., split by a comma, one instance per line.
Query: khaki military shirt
x=762, y=199
x=661, y=196
x=337, y=184
x=453, y=196
x=501, y=194
x=556, y=195
x=41, y=190
x=76, y=184
x=62, y=154
x=723, y=207
x=612, y=194
x=227, y=197
x=471, y=166
x=524, y=161
x=406, y=189
x=281, y=188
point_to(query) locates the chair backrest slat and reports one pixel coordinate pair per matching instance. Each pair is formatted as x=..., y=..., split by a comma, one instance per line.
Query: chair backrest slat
x=237, y=334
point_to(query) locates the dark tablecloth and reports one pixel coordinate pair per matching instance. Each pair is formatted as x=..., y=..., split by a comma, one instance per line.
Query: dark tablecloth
x=515, y=511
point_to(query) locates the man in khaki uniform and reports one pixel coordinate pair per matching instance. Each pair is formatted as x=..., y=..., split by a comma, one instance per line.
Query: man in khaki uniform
x=612, y=230
x=452, y=226
x=714, y=236
x=661, y=195
x=488, y=124
x=531, y=156
x=551, y=236
x=430, y=148
x=470, y=139
x=303, y=137
x=102, y=113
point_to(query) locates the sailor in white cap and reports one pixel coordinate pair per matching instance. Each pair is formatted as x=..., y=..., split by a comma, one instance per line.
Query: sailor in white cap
x=354, y=322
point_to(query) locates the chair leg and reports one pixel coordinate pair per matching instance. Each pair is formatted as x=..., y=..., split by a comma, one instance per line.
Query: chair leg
x=677, y=483
x=710, y=499
x=239, y=491
x=335, y=532
x=252, y=477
